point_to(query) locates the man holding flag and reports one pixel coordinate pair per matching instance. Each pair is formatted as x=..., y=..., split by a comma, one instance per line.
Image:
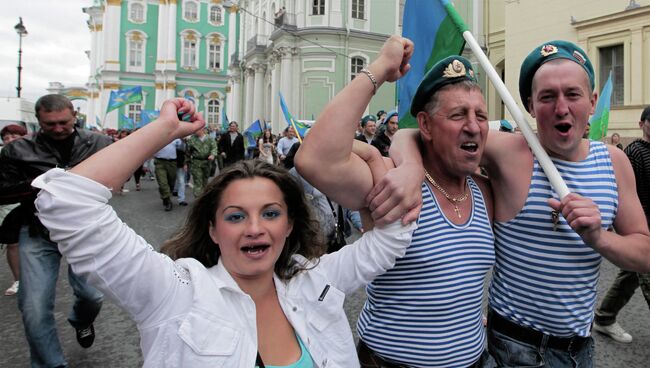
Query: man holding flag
x=426, y=310
x=548, y=251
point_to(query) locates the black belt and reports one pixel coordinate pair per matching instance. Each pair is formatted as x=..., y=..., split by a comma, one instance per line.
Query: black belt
x=533, y=337
x=165, y=159
x=201, y=159
x=368, y=358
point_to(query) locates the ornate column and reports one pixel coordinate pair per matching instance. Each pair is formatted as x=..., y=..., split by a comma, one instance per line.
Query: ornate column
x=258, y=105
x=276, y=115
x=234, y=110
x=285, y=72
x=170, y=59
x=249, y=101
x=112, y=35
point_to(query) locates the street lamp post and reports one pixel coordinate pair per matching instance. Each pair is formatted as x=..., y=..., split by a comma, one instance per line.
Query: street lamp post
x=22, y=32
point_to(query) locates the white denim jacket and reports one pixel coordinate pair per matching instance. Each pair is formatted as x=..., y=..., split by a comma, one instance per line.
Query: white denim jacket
x=192, y=316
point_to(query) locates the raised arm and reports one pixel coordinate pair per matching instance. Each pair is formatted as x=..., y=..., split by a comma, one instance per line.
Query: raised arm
x=326, y=159
x=113, y=165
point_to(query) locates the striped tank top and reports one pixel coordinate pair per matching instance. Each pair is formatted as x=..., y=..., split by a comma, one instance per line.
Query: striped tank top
x=545, y=279
x=426, y=311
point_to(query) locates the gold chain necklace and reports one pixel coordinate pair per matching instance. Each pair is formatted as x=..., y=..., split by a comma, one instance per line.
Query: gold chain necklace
x=453, y=200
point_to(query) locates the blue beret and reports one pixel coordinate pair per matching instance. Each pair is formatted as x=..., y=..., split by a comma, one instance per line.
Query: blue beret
x=368, y=118
x=452, y=69
x=546, y=52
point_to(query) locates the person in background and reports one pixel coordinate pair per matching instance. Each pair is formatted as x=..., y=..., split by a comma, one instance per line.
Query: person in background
x=200, y=153
x=10, y=218
x=284, y=145
x=231, y=145
x=381, y=117
x=384, y=136
x=616, y=140
x=57, y=144
x=181, y=172
x=627, y=282
x=266, y=146
x=368, y=129
x=165, y=162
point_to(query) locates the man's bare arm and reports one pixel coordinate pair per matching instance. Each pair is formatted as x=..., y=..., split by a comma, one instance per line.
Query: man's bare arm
x=325, y=159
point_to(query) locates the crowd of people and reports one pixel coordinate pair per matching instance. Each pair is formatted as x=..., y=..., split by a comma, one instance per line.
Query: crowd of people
x=257, y=273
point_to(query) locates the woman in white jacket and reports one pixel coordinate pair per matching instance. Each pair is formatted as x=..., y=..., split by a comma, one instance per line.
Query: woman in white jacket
x=243, y=284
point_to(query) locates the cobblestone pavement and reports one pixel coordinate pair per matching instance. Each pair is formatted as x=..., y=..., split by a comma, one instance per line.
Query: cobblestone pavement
x=117, y=343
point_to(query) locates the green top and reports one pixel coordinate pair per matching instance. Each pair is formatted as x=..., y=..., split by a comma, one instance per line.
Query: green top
x=200, y=148
x=305, y=360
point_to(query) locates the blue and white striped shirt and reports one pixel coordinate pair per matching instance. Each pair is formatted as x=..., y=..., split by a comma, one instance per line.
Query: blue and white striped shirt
x=546, y=279
x=426, y=311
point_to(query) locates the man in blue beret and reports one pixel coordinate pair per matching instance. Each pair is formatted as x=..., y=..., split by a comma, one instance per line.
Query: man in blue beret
x=426, y=311
x=548, y=252
x=368, y=129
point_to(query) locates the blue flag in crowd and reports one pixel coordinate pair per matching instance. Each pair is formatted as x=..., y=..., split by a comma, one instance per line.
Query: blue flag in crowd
x=127, y=123
x=147, y=116
x=253, y=132
x=123, y=97
x=299, y=127
x=224, y=121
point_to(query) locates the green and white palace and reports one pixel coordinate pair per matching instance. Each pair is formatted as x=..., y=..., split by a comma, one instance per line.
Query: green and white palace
x=169, y=47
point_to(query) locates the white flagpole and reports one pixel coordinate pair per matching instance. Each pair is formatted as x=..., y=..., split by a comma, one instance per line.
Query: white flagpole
x=544, y=160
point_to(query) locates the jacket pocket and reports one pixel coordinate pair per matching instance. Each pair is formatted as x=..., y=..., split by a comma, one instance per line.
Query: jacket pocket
x=212, y=341
x=329, y=310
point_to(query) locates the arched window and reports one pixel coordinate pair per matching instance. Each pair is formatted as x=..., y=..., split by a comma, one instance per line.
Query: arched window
x=191, y=11
x=190, y=50
x=212, y=114
x=136, y=12
x=216, y=15
x=356, y=64
x=214, y=48
x=135, y=52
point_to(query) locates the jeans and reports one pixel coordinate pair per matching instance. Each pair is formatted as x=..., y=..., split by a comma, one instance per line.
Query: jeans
x=508, y=352
x=180, y=184
x=39, y=270
x=619, y=294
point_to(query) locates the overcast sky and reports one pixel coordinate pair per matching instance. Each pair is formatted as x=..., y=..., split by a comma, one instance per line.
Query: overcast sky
x=53, y=50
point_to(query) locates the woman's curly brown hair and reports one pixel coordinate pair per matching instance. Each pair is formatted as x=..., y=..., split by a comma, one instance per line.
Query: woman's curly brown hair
x=193, y=240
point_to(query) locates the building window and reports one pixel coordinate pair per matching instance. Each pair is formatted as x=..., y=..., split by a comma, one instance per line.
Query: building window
x=611, y=58
x=358, y=9
x=136, y=13
x=214, y=52
x=135, y=51
x=216, y=15
x=134, y=111
x=212, y=117
x=356, y=64
x=191, y=11
x=190, y=51
x=318, y=7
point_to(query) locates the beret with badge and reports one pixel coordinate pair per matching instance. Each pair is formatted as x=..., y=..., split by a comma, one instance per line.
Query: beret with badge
x=546, y=52
x=452, y=69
